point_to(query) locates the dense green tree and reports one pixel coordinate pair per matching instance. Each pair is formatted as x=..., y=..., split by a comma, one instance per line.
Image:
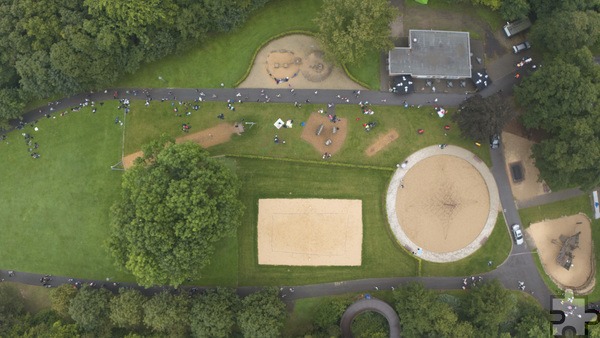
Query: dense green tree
x=11, y=307
x=127, y=309
x=533, y=321
x=370, y=324
x=349, y=28
x=576, y=29
x=60, y=298
x=213, y=314
x=176, y=202
x=514, y=9
x=493, y=4
x=167, y=314
x=329, y=313
x=414, y=304
x=11, y=104
x=480, y=118
x=90, y=310
x=488, y=305
x=571, y=157
x=262, y=314
x=555, y=95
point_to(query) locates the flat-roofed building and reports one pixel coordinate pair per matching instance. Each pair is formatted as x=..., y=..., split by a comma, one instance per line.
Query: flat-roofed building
x=433, y=55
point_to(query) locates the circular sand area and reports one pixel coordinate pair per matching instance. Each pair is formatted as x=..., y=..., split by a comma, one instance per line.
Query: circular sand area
x=547, y=238
x=443, y=205
x=295, y=61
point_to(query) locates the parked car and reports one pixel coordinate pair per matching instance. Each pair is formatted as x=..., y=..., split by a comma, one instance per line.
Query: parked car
x=495, y=141
x=516, y=229
x=516, y=27
x=525, y=45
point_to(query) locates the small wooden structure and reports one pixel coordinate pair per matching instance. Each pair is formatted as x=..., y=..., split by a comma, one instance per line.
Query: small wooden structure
x=565, y=255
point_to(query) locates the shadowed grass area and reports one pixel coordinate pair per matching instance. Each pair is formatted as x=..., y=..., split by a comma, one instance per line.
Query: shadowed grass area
x=496, y=249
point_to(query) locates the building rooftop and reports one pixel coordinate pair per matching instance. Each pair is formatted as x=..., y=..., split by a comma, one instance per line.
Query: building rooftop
x=433, y=54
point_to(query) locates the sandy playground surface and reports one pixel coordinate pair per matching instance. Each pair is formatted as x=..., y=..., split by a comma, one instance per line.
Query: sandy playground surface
x=309, y=232
x=218, y=134
x=298, y=58
x=382, y=142
x=444, y=204
x=309, y=134
x=546, y=236
x=518, y=149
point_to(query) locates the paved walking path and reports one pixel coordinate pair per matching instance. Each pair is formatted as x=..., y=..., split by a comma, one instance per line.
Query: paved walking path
x=375, y=305
x=550, y=198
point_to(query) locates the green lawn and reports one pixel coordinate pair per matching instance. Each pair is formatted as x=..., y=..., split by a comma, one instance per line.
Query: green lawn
x=146, y=123
x=35, y=298
x=55, y=209
x=225, y=57
x=496, y=249
x=276, y=179
x=571, y=206
x=492, y=18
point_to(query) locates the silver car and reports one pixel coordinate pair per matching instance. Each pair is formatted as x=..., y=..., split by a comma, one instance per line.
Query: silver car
x=516, y=229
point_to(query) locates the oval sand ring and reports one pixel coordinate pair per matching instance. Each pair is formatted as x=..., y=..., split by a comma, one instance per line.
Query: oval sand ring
x=443, y=205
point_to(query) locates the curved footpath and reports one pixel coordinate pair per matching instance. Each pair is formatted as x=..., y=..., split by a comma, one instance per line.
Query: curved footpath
x=374, y=305
x=518, y=267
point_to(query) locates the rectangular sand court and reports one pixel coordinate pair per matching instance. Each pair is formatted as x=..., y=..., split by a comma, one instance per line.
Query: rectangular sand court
x=309, y=232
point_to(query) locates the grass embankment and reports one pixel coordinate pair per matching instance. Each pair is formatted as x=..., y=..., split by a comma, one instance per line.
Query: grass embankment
x=555, y=210
x=225, y=57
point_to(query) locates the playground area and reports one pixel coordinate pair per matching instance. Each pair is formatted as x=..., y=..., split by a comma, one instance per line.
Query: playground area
x=521, y=168
x=218, y=134
x=325, y=135
x=295, y=61
x=566, y=251
x=310, y=232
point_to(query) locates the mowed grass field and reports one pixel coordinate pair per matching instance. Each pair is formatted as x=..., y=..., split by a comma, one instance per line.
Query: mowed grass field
x=56, y=209
x=225, y=57
x=54, y=214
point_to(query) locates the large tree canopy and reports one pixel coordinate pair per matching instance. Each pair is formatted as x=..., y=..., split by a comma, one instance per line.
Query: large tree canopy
x=176, y=202
x=262, y=314
x=576, y=29
x=349, y=28
x=562, y=98
x=213, y=314
x=480, y=118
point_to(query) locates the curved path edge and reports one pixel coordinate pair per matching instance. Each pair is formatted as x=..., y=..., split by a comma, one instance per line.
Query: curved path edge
x=374, y=305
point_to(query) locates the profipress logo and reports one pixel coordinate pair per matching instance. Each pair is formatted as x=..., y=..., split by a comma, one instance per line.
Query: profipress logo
x=572, y=315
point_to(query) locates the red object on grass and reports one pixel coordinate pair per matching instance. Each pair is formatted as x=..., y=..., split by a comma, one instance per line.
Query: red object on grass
x=420, y=131
x=446, y=127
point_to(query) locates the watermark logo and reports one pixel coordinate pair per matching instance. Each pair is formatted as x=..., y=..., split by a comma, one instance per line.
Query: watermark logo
x=571, y=315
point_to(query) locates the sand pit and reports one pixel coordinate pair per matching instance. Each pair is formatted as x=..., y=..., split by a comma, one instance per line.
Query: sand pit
x=443, y=204
x=382, y=142
x=309, y=232
x=309, y=133
x=295, y=61
x=206, y=138
x=518, y=149
x=546, y=237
